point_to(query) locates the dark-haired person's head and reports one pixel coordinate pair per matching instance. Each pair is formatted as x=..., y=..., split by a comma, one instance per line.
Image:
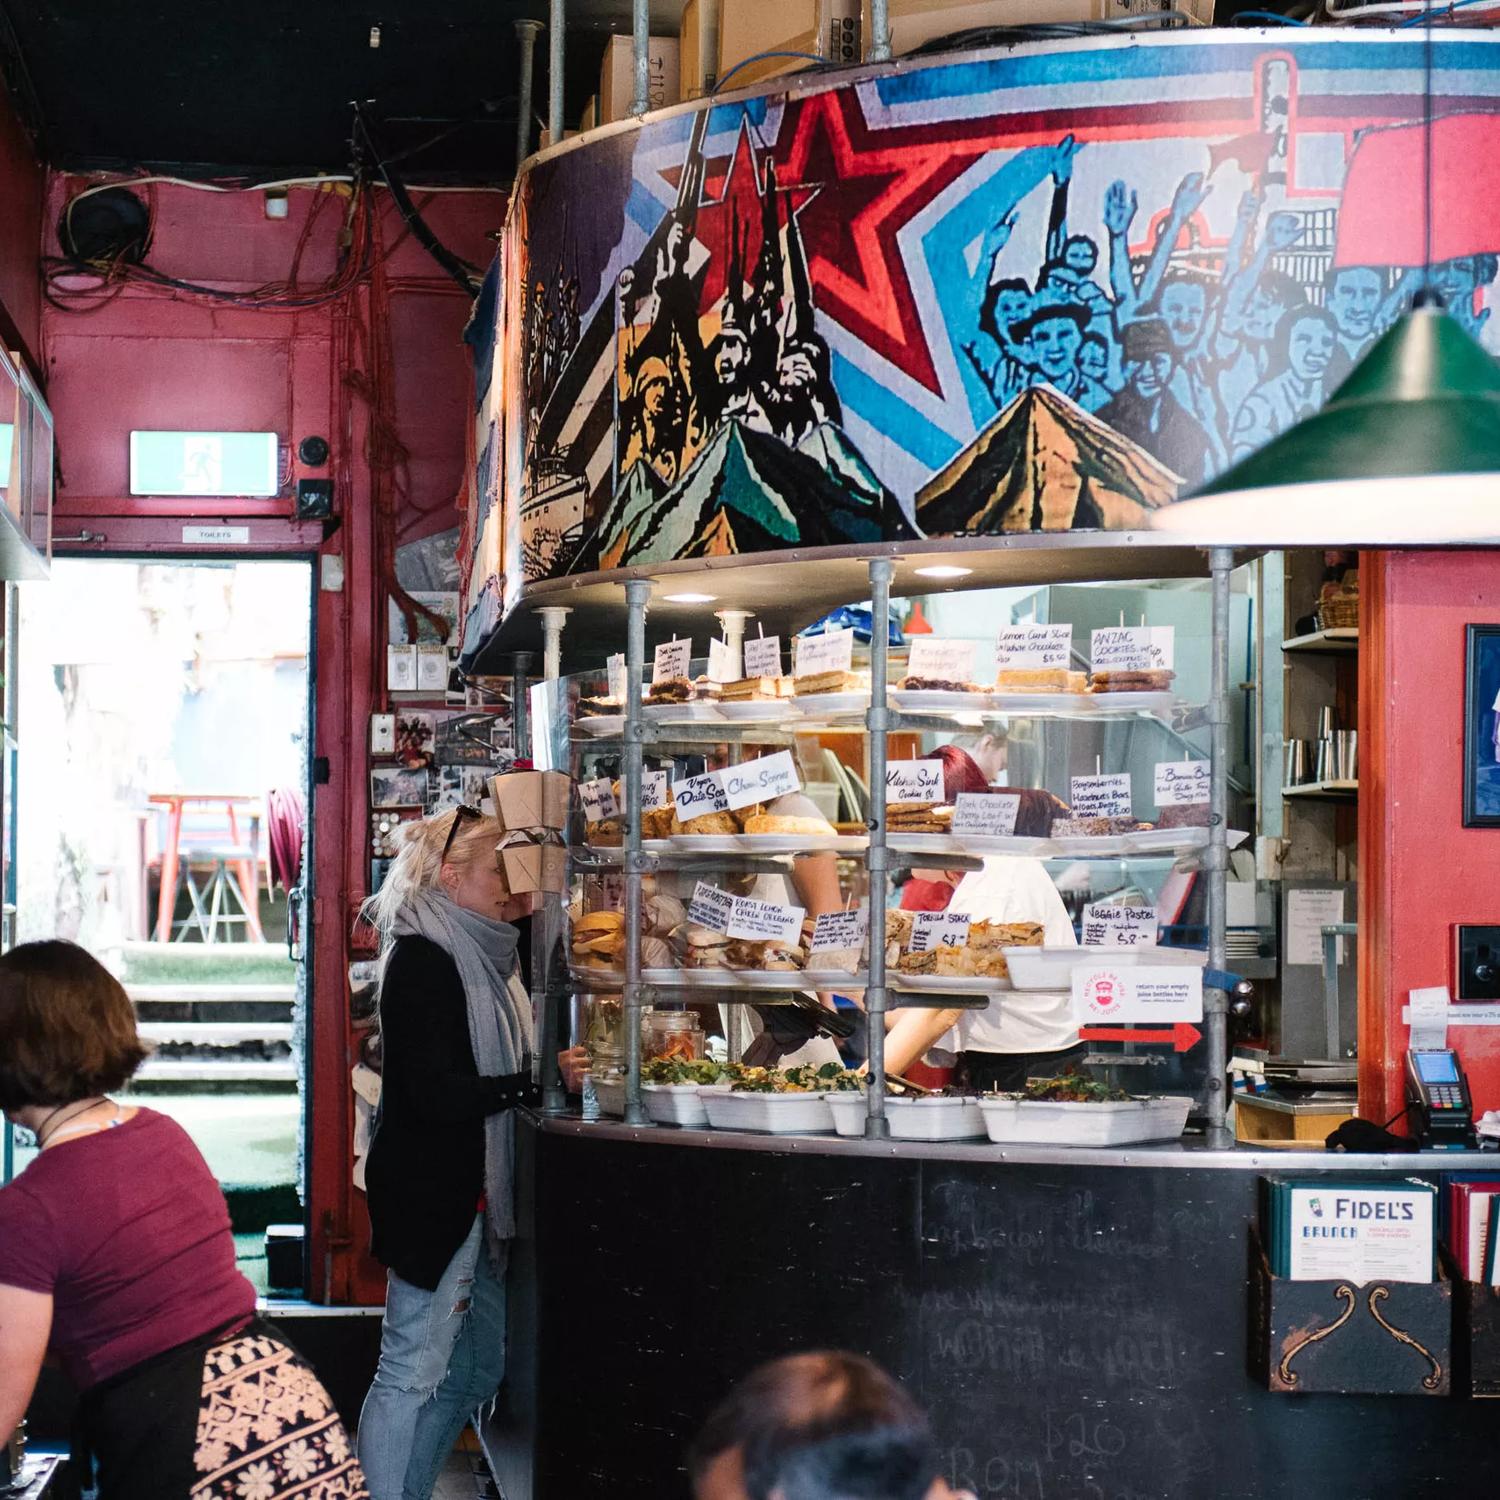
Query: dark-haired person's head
x=821, y=1426
x=67, y=1028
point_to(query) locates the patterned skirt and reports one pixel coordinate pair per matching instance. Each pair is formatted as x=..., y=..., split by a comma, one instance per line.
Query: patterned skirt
x=240, y=1416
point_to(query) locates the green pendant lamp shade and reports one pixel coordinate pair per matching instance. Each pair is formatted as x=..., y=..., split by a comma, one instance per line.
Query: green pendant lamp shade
x=1405, y=453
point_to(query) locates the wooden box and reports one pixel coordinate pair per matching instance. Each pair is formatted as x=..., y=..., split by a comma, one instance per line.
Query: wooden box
x=1335, y=1337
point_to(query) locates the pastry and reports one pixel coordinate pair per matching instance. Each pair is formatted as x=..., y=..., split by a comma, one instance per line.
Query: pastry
x=743, y=815
x=747, y=689
x=995, y=935
x=670, y=690
x=831, y=682
x=773, y=823
x=609, y=833
x=591, y=708
x=972, y=963
x=706, y=823
x=916, y=817
x=705, y=689
x=936, y=685
x=1131, y=682
x=1183, y=815
x=1040, y=680
x=918, y=963
x=657, y=823
x=1093, y=828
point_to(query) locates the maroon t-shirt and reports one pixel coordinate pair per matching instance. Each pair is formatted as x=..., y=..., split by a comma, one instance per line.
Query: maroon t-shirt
x=129, y=1233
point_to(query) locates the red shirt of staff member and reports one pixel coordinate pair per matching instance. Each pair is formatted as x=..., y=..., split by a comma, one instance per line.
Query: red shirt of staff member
x=116, y=1255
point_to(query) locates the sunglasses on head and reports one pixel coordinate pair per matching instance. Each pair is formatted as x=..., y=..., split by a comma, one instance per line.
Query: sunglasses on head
x=464, y=812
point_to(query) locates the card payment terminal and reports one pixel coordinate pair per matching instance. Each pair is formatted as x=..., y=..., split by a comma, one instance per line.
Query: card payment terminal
x=1438, y=1099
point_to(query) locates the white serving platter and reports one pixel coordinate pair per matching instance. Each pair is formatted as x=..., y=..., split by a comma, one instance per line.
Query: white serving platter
x=1128, y=1122
x=770, y=1114
x=914, y=701
x=756, y=710
x=940, y=1119
x=946, y=984
x=768, y=843
x=694, y=711
x=830, y=705
x=601, y=726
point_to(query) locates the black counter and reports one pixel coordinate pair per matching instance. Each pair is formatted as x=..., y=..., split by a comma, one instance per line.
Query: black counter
x=1075, y=1321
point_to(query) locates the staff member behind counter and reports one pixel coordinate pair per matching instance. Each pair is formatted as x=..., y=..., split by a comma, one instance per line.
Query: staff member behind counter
x=116, y=1255
x=1023, y=1034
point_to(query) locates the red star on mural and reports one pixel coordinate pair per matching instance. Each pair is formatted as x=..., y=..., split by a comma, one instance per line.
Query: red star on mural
x=733, y=194
x=858, y=274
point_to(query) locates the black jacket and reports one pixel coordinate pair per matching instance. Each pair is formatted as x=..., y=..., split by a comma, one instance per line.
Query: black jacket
x=425, y=1171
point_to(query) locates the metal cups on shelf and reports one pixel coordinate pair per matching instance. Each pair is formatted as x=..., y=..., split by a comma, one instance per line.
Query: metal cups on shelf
x=1294, y=765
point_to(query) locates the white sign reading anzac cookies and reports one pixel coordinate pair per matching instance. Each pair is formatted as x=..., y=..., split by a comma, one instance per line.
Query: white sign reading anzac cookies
x=1132, y=648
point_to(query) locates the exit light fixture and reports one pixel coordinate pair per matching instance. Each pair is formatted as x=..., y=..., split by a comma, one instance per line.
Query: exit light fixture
x=213, y=464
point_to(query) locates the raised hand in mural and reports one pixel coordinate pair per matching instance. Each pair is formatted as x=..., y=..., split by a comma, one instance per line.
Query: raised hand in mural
x=1192, y=192
x=1119, y=208
x=1283, y=230
x=1064, y=153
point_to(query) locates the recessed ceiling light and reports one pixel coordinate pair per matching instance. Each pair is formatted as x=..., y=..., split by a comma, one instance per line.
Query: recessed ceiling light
x=689, y=598
x=943, y=571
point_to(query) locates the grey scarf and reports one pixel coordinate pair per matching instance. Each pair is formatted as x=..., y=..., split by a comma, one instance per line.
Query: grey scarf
x=484, y=952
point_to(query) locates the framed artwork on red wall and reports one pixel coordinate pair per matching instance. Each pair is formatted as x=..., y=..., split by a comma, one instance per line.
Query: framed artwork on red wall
x=1482, y=728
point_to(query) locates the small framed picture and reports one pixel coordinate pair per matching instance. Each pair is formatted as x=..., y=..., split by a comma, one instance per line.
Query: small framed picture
x=1482, y=728
x=397, y=786
x=416, y=737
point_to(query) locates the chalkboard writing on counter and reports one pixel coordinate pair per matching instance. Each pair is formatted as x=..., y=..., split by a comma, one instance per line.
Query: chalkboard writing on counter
x=1077, y=1332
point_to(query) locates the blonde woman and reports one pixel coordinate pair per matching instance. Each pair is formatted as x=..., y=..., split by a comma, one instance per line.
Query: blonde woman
x=456, y=1038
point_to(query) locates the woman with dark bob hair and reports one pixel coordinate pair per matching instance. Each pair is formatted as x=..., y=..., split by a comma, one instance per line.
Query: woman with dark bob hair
x=116, y=1255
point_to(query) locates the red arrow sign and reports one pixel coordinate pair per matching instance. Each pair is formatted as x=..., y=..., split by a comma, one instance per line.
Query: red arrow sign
x=1182, y=1036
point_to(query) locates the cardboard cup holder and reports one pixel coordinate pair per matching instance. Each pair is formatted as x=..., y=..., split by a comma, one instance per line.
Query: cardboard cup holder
x=1338, y=1337
x=529, y=800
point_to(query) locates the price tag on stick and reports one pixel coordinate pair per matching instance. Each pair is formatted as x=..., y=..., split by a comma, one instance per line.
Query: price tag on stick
x=833, y=651
x=1182, y=783
x=723, y=662
x=939, y=929
x=699, y=795
x=598, y=798
x=919, y=781
x=711, y=908
x=1106, y=925
x=1034, y=647
x=1101, y=796
x=838, y=931
x=760, y=780
x=764, y=921
x=947, y=661
x=763, y=656
x=1132, y=648
x=672, y=659
x=619, y=683
x=985, y=814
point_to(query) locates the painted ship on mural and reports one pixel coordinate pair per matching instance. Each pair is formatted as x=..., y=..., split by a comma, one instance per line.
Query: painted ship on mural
x=831, y=323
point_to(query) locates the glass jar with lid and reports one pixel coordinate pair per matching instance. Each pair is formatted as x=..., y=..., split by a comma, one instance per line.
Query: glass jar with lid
x=673, y=1033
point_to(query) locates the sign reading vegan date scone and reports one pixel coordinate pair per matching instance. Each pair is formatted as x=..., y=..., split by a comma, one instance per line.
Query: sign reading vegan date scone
x=700, y=794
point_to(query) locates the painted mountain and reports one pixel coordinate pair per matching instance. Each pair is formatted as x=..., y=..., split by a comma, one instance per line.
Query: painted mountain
x=1045, y=464
x=746, y=491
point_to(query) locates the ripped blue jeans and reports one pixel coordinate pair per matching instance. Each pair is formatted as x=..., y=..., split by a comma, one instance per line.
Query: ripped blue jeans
x=442, y=1356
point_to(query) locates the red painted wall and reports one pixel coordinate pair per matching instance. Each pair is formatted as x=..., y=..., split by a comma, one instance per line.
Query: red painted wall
x=149, y=360
x=1421, y=871
x=21, y=191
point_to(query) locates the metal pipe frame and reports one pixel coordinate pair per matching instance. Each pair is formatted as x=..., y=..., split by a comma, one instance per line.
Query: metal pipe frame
x=880, y=31
x=549, y=985
x=637, y=592
x=556, y=41
x=877, y=717
x=640, y=41
x=526, y=33
x=1216, y=856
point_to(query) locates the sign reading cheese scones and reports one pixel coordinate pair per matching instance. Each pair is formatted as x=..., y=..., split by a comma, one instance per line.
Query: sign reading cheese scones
x=760, y=780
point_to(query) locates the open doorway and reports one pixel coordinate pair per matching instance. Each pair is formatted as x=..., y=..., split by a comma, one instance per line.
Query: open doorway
x=163, y=784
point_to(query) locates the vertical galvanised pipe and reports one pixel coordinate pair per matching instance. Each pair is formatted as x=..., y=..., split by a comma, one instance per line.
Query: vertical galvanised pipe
x=526, y=33
x=877, y=1126
x=637, y=592
x=880, y=31
x=556, y=38
x=1216, y=1002
x=640, y=40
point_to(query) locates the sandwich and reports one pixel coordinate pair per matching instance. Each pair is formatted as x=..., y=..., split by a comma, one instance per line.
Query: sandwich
x=699, y=948
x=1131, y=682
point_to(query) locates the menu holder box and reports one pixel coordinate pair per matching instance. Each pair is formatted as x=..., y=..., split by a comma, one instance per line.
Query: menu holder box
x=531, y=799
x=1383, y=1338
x=1476, y=1355
x=530, y=867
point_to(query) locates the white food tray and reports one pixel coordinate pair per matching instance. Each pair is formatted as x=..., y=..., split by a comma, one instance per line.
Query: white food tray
x=911, y=701
x=1051, y=969
x=1063, y=705
x=767, y=843
x=611, y=1092
x=944, y=1119
x=828, y=705
x=674, y=1104
x=601, y=726
x=1038, y=1122
x=942, y=844
x=771, y=1114
x=1151, y=703
x=756, y=710
x=946, y=984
